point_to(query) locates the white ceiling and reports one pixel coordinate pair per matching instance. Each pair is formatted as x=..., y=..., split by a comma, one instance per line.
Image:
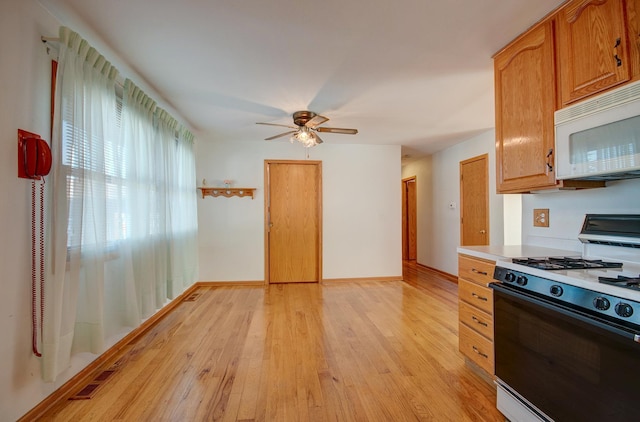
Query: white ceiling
x=416, y=73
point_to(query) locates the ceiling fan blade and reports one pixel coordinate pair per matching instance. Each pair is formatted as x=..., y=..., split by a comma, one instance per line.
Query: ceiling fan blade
x=317, y=138
x=337, y=130
x=277, y=124
x=281, y=135
x=316, y=121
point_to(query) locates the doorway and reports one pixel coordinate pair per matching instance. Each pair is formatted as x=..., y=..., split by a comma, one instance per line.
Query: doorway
x=409, y=219
x=474, y=201
x=293, y=221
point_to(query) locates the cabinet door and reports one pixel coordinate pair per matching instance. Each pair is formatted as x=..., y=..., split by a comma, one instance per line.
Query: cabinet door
x=593, y=47
x=525, y=102
x=633, y=25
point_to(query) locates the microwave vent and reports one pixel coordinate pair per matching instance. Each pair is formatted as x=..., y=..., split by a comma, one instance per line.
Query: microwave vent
x=604, y=101
x=611, y=230
x=611, y=243
x=605, y=177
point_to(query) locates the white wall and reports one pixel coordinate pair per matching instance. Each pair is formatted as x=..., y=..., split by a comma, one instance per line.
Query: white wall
x=439, y=237
x=361, y=209
x=25, y=78
x=25, y=81
x=568, y=208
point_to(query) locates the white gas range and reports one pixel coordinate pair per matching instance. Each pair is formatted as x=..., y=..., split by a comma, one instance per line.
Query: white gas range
x=627, y=284
x=567, y=329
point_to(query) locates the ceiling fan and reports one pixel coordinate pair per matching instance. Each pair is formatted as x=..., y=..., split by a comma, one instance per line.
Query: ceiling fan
x=307, y=123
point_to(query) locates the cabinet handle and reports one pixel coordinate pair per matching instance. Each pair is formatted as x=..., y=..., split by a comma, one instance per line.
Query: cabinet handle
x=473, y=270
x=615, y=53
x=477, y=321
x=475, y=349
x=479, y=297
x=549, y=154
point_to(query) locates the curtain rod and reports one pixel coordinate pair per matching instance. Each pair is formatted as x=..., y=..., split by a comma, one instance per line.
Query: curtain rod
x=119, y=79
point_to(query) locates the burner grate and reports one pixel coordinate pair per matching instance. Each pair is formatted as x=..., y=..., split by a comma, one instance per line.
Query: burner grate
x=622, y=281
x=566, y=263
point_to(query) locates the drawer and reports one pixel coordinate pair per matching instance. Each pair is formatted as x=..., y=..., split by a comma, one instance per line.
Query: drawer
x=479, y=296
x=476, y=270
x=476, y=319
x=476, y=348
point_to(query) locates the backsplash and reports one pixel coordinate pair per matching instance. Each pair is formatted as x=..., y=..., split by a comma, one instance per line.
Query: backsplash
x=568, y=208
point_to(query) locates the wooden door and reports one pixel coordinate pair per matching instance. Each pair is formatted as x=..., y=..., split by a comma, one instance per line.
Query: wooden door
x=474, y=201
x=409, y=219
x=593, y=48
x=293, y=221
x=525, y=101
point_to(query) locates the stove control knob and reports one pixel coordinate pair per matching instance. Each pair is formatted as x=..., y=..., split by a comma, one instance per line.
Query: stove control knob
x=510, y=277
x=522, y=280
x=624, y=310
x=601, y=303
x=556, y=290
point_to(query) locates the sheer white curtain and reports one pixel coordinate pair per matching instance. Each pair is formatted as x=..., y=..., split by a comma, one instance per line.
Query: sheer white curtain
x=183, y=215
x=122, y=236
x=85, y=120
x=162, y=203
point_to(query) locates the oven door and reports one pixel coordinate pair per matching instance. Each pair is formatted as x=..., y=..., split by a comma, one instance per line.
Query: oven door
x=570, y=365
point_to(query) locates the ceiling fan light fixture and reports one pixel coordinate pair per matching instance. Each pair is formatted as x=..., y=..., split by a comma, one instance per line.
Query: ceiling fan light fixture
x=305, y=137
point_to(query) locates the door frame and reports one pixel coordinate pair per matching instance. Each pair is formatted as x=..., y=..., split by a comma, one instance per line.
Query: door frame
x=267, y=193
x=406, y=228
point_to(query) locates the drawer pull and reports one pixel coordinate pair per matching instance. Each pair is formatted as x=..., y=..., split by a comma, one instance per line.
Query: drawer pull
x=479, y=297
x=473, y=270
x=475, y=349
x=477, y=321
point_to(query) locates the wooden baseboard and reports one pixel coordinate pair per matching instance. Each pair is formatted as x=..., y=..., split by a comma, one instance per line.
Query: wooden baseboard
x=358, y=279
x=88, y=373
x=254, y=283
x=445, y=275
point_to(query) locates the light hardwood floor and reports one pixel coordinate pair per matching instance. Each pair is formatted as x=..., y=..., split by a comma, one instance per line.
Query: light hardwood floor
x=345, y=351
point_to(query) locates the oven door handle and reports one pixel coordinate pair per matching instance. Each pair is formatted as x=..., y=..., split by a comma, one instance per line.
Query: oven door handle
x=565, y=310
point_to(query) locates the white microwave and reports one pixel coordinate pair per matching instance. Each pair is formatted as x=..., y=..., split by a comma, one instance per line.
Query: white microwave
x=599, y=138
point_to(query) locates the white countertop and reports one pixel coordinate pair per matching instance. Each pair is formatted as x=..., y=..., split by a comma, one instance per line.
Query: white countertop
x=502, y=252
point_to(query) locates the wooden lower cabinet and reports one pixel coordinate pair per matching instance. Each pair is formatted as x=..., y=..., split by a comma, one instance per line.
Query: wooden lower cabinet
x=475, y=311
x=477, y=348
x=481, y=322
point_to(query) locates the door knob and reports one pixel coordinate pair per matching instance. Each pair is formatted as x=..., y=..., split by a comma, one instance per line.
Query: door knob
x=483, y=231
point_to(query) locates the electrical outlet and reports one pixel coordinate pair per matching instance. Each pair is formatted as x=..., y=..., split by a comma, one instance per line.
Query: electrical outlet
x=541, y=217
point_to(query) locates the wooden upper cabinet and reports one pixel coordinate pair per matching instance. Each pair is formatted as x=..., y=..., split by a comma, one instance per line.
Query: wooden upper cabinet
x=593, y=45
x=525, y=98
x=633, y=25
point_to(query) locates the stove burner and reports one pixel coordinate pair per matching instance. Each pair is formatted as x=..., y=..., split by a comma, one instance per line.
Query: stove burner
x=566, y=263
x=622, y=281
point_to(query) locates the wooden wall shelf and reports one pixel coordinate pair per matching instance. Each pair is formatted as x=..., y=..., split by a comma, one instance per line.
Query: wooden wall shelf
x=227, y=192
